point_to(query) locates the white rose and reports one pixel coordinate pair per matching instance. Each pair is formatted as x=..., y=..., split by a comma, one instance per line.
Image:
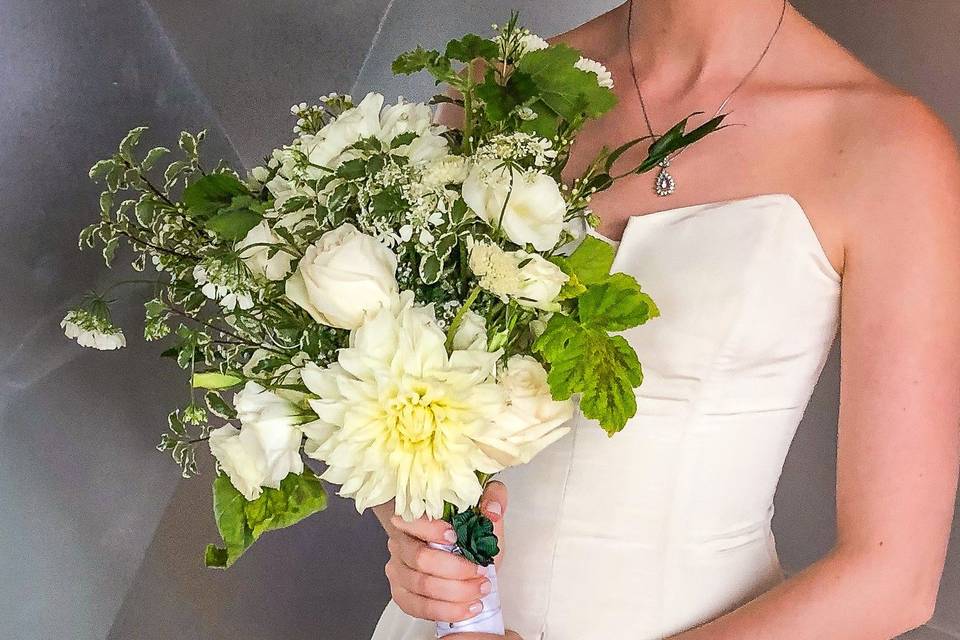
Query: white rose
x=326, y=148
x=472, y=333
x=267, y=446
x=343, y=276
x=532, y=419
x=535, y=209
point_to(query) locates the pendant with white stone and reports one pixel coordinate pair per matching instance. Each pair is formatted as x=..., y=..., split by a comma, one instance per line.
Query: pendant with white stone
x=664, y=185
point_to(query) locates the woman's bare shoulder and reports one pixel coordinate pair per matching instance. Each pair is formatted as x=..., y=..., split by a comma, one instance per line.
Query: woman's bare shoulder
x=589, y=36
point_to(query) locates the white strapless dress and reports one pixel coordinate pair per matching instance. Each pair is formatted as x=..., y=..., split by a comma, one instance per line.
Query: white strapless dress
x=666, y=525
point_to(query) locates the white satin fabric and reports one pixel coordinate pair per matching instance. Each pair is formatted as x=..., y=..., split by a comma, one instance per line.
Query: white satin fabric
x=666, y=525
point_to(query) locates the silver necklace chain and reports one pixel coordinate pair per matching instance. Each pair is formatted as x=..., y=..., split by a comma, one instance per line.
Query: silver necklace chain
x=665, y=183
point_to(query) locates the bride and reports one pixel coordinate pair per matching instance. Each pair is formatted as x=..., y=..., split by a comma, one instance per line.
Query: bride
x=839, y=198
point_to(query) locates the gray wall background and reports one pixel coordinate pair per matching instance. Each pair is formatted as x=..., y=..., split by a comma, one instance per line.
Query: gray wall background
x=98, y=536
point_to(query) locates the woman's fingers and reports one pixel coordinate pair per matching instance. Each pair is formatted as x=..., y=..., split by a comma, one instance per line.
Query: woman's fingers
x=438, y=610
x=427, y=530
x=493, y=504
x=418, y=556
x=435, y=588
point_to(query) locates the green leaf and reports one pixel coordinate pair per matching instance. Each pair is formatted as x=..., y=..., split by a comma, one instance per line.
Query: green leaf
x=129, y=142
x=215, y=380
x=585, y=359
x=567, y=90
x=218, y=406
x=421, y=59
x=591, y=260
x=615, y=304
x=233, y=224
x=101, y=169
x=152, y=156
x=188, y=143
x=212, y=192
x=242, y=522
x=355, y=168
x=471, y=46
x=602, y=368
x=431, y=266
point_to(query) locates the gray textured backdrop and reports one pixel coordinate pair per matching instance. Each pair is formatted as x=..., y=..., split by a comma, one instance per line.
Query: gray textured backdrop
x=98, y=539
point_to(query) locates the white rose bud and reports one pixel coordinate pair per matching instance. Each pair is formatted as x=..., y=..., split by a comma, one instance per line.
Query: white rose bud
x=540, y=283
x=472, y=333
x=344, y=276
x=532, y=419
x=266, y=448
x=258, y=257
x=535, y=209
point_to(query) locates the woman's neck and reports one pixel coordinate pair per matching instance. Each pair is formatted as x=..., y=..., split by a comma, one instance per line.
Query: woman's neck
x=679, y=44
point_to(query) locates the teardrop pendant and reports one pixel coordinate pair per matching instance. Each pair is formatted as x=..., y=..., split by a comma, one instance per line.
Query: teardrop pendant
x=664, y=185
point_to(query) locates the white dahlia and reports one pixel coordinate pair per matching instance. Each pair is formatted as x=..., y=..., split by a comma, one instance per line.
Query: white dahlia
x=400, y=418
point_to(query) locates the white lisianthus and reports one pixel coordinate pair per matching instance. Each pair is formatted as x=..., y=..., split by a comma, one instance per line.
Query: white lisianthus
x=531, y=419
x=282, y=190
x=526, y=277
x=424, y=148
x=399, y=418
x=92, y=331
x=267, y=446
x=326, y=148
x=404, y=117
x=604, y=79
x=343, y=277
x=535, y=207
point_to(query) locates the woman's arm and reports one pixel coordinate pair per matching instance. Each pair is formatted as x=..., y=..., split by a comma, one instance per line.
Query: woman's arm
x=899, y=405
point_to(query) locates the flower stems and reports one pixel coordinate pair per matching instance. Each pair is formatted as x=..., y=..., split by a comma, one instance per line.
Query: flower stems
x=458, y=319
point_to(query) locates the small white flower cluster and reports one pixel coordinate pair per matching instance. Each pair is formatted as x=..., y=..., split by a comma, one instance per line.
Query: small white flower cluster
x=225, y=282
x=92, y=330
x=520, y=147
x=604, y=78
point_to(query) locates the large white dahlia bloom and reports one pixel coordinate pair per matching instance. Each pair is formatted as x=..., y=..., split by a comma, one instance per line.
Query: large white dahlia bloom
x=400, y=418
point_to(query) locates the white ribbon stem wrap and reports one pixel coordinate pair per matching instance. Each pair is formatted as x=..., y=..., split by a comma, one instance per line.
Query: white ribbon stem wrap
x=490, y=618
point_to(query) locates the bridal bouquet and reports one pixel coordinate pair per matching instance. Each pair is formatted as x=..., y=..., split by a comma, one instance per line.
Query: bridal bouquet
x=414, y=306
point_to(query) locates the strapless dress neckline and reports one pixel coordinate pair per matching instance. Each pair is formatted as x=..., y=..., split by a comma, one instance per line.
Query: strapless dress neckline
x=793, y=206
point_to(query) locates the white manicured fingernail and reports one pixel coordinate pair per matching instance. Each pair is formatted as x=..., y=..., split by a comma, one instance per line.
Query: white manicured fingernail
x=494, y=508
x=476, y=607
x=450, y=535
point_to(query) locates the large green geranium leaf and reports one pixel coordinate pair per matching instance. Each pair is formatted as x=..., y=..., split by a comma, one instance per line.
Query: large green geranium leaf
x=242, y=522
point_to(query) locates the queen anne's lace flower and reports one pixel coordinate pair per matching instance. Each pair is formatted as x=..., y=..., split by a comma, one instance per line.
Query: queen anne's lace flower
x=90, y=330
x=223, y=285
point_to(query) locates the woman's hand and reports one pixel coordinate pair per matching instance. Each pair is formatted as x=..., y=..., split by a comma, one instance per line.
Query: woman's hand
x=433, y=584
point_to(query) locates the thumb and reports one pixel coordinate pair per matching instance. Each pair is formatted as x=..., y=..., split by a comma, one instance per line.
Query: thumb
x=493, y=504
